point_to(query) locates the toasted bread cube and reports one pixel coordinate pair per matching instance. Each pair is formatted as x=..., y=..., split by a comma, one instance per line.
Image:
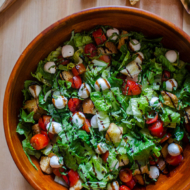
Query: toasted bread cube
x=45, y=165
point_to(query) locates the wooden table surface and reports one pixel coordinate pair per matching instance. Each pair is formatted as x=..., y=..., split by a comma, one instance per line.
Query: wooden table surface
x=27, y=18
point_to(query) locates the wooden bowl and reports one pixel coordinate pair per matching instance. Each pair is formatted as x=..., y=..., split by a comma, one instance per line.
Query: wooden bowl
x=119, y=17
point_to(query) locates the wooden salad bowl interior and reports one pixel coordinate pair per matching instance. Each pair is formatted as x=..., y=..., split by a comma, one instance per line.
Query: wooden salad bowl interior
x=130, y=19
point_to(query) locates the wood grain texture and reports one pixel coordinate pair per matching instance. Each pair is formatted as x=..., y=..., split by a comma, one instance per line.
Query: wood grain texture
x=6, y=5
x=27, y=18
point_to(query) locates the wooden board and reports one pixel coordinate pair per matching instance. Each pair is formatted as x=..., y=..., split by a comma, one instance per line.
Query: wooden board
x=24, y=20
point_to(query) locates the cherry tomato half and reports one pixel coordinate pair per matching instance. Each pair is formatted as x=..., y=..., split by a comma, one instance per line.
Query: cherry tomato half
x=105, y=156
x=105, y=58
x=78, y=69
x=152, y=120
x=157, y=129
x=131, y=88
x=63, y=61
x=131, y=184
x=43, y=121
x=39, y=141
x=166, y=75
x=174, y=160
x=90, y=50
x=76, y=82
x=99, y=36
x=125, y=175
x=74, y=104
x=124, y=187
x=73, y=177
x=86, y=126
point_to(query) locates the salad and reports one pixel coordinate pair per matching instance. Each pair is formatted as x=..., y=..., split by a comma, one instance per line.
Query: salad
x=108, y=109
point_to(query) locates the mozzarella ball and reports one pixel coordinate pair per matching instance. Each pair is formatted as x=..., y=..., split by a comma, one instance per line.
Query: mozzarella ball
x=174, y=149
x=135, y=45
x=170, y=84
x=154, y=172
x=102, y=84
x=54, y=127
x=84, y=91
x=78, y=119
x=60, y=102
x=54, y=162
x=94, y=122
x=67, y=51
x=110, y=32
x=49, y=67
x=139, y=58
x=35, y=90
x=113, y=186
x=153, y=100
x=171, y=56
x=101, y=148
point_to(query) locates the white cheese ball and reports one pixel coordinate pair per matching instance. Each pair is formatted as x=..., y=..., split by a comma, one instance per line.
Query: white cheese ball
x=67, y=51
x=139, y=58
x=154, y=172
x=153, y=100
x=135, y=45
x=94, y=122
x=170, y=84
x=78, y=119
x=171, y=56
x=54, y=162
x=113, y=186
x=101, y=148
x=35, y=90
x=84, y=91
x=54, y=127
x=102, y=84
x=49, y=67
x=60, y=102
x=110, y=32
x=174, y=149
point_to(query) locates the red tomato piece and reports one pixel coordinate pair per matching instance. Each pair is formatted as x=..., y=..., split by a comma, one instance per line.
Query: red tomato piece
x=78, y=69
x=39, y=141
x=86, y=126
x=125, y=175
x=174, y=160
x=152, y=120
x=166, y=75
x=73, y=177
x=43, y=121
x=131, y=184
x=63, y=61
x=76, y=82
x=74, y=104
x=157, y=129
x=105, y=58
x=153, y=160
x=165, y=137
x=105, y=156
x=57, y=171
x=99, y=36
x=90, y=50
x=124, y=187
x=49, y=135
x=131, y=88
x=66, y=179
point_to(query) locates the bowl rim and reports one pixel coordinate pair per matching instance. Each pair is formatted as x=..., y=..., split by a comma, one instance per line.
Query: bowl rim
x=129, y=10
